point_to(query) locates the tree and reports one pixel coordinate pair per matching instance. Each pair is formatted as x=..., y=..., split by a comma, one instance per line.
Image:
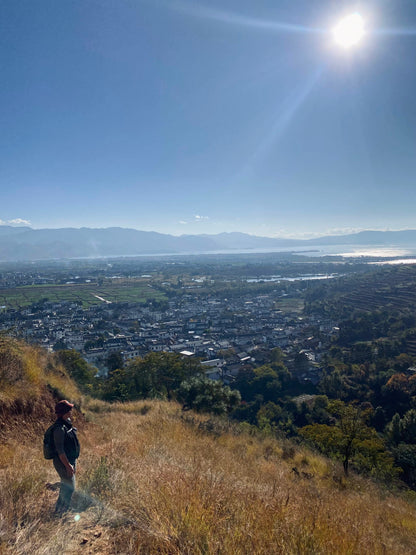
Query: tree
x=266, y=380
x=405, y=457
x=272, y=417
x=243, y=382
x=78, y=369
x=397, y=393
x=320, y=412
x=402, y=429
x=349, y=437
x=401, y=434
x=266, y=383
x=60, y=345
x=332, y=384
x=269, y=415
x=117, y=387
x=408, y=427
x=276, y=355
x=352, y=427
x=114, y=361
x=402, y=362
x=205, y=395
x=155, y=375
x=378, y=419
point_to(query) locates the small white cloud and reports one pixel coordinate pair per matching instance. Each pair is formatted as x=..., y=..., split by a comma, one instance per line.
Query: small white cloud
x=199, y=218
x=19, y=221
x=182, y=222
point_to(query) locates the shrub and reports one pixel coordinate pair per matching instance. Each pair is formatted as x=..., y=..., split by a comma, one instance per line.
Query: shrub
x=205, y=395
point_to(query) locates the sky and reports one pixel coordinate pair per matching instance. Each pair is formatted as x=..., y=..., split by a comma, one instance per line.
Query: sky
x=207, y=116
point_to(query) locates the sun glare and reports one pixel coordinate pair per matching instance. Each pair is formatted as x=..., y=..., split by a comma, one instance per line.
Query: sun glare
x=349, y=31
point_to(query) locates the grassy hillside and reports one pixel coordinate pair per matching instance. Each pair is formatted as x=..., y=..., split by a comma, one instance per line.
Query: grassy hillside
x=30, y=381
x=153, y=480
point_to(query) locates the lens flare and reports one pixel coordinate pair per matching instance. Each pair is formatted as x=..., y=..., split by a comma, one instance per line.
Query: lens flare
x=349, y=31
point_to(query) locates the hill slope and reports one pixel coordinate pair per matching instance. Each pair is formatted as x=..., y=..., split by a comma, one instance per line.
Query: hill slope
x=151, y=480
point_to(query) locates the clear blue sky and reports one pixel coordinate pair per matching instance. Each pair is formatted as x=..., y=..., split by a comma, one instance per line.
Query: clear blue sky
x=202, y=116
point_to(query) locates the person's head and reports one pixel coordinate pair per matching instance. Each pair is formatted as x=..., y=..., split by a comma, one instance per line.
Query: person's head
x=63, y=409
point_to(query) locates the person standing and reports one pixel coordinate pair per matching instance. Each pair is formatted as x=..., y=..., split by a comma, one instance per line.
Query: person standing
x=66, y=453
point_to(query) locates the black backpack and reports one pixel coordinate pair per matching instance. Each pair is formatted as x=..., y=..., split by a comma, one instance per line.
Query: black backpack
x=71, y=442
x=49, y=450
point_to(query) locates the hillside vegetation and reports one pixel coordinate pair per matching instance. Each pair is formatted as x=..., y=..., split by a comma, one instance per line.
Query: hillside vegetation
x=152, y=479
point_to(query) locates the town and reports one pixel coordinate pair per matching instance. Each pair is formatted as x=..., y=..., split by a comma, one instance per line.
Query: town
x=226, y=323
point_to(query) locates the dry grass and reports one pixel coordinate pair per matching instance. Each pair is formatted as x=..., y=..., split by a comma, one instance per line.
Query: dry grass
x=161, y=483
x=25, y=372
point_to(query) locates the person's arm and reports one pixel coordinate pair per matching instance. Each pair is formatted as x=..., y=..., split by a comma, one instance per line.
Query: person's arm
x=69, y=468
x=59, y=438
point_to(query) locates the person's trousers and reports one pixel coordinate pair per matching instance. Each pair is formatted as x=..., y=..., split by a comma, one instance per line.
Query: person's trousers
x=67, y=486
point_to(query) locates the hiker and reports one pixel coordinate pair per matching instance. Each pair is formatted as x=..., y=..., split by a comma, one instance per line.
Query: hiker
x=66, y=446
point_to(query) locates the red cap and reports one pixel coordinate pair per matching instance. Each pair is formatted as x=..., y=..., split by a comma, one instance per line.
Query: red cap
x=63, y=407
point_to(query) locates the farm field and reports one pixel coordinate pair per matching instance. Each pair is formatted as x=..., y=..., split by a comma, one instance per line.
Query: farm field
x=290, y=304
x=86, y=294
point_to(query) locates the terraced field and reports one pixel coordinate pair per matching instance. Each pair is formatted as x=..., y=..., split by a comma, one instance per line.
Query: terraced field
x=388, y=288
x=87, y=294
x=394, y=289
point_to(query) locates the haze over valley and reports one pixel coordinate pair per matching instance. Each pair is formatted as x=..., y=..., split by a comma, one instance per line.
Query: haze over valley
x=24, y=243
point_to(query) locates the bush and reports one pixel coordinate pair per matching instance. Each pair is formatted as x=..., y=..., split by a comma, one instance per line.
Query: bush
x=205, y=395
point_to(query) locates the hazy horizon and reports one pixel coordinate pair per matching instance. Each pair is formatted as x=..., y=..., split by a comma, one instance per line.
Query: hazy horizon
x=298, y=237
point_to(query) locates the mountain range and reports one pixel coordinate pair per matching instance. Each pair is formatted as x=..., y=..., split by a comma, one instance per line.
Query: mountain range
x=25, y=243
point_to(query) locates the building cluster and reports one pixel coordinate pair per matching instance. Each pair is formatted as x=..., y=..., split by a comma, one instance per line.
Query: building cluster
x=226, y=334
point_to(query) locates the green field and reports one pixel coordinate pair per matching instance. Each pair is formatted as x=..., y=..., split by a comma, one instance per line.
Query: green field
x=87, y=294
x=290, y=304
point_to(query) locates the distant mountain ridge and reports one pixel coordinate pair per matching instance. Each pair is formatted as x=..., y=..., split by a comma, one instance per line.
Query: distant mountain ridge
x=25, y=243
x=404, y=237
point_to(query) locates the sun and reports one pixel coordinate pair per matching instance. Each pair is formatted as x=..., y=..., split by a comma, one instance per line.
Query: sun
x=349, y=31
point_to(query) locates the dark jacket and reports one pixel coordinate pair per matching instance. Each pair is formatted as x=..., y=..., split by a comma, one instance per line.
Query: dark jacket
x=66, y=440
